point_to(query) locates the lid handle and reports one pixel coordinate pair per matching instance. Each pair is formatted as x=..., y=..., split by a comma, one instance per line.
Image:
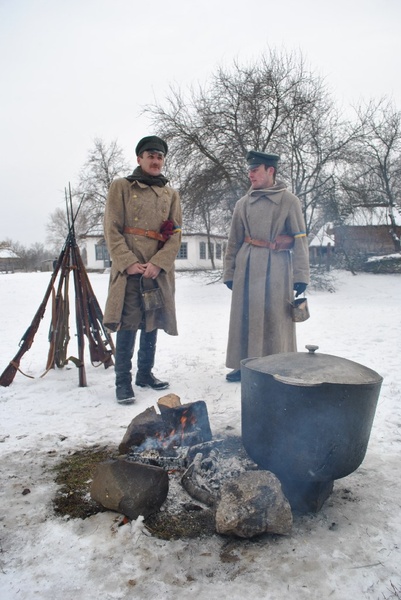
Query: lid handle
x=311, y=348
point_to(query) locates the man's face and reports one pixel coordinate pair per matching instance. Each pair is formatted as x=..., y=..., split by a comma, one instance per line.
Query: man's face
x=261, y=177
x=151, y=162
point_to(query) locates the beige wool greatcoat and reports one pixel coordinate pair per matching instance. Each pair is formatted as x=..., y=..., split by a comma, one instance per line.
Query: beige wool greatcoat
x=260, y=318
x=134, y=204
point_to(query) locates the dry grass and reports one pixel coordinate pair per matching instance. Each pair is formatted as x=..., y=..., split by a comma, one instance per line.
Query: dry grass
x=74, y=474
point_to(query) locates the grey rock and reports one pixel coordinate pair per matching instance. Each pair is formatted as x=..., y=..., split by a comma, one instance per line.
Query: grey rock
x=129, y=488
x=145, y=426
x=251, y=504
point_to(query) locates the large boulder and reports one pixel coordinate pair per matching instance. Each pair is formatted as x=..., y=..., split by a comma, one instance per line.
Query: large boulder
x=129, y=488
x=251, y=504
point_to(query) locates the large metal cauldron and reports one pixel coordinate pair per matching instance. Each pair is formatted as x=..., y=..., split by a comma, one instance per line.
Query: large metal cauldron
x=307, y=416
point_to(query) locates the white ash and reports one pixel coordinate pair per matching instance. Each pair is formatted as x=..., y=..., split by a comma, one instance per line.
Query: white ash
x=226, y=462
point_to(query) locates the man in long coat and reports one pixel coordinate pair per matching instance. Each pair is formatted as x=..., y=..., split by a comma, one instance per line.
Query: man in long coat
x=142, y=229
x=262, y=268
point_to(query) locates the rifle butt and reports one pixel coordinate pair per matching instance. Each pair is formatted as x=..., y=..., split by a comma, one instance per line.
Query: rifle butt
x=7, y=377
x=82, y=377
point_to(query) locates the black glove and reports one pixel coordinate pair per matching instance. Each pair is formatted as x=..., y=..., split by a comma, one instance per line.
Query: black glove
x=229, y=284
x=299, y=288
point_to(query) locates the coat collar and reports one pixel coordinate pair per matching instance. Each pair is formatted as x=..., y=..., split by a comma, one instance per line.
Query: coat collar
x=274, y=193
x=157, y=190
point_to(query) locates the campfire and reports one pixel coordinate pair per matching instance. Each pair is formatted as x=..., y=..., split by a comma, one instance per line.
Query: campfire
x=168, y=459
x=176, y=426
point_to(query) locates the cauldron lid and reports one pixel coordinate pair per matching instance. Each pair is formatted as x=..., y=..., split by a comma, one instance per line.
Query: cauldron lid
x=310, y=369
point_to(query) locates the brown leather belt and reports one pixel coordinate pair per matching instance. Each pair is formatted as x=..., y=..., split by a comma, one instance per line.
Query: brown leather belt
x=149, y=233
x=282, y=242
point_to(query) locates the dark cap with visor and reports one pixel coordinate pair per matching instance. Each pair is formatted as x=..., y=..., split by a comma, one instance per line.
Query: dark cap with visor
x=151, y=143
x=254, y=159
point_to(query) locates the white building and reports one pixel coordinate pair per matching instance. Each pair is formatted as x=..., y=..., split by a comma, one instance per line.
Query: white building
x=8, y=260
x=96, y=253
x=193, y=255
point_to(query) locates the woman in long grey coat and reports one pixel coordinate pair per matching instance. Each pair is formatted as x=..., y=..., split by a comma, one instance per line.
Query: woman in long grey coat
x=261, y=271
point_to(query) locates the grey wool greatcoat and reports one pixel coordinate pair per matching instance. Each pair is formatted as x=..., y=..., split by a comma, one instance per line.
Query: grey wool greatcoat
x=260, y=318
x=134, y=204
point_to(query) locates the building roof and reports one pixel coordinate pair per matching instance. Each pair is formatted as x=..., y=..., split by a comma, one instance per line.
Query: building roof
x=323, y=238
x=7, y=253
x=95, y=231
x=375, y=215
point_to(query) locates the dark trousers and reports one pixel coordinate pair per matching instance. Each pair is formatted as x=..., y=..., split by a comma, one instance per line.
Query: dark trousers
x=125, y=342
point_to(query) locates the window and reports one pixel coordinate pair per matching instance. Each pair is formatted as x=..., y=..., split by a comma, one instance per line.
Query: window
x=101, y=252
x=202, y=250
x=183, y=251
x=218, y=251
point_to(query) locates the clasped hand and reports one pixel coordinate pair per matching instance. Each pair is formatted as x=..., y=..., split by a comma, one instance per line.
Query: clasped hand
x=148, y=270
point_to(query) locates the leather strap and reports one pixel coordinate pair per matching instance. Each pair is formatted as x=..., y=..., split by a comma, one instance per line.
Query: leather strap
x=149, y=233
x=260, y=243
x=282, y=242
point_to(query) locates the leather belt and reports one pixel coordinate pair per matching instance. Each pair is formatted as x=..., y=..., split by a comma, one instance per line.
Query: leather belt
x=282, y=242
x=149, y=233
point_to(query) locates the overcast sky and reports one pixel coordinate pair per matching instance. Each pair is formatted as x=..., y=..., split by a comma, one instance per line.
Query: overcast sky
x=74, y=70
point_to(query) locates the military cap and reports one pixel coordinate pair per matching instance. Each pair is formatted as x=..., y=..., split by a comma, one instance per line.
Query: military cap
x=151, y=142
x=255, y=158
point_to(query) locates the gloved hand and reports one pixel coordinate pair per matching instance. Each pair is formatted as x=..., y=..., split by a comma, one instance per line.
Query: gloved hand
x=229, y=284
x=299, y=288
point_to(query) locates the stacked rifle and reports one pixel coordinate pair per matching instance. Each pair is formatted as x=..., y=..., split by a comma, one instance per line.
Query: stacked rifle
x=88, y=315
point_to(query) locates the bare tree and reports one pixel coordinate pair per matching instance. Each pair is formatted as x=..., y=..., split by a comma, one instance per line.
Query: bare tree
x=372, y=175
x=315, y=145
x=273, y=105
x=105, y=162
x=58, y=225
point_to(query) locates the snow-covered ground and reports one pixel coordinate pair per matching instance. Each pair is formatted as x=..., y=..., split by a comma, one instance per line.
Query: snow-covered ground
x=351, y=549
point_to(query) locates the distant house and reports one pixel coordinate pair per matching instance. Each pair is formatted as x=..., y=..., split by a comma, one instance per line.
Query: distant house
x=368, y=231
x=8, y=260
x=322, y=245
x=194, y=253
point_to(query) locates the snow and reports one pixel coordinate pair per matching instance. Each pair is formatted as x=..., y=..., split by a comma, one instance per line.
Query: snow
x=386, y=258
x=351, y=548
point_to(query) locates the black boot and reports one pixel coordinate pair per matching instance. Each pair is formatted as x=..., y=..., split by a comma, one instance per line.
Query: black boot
x=234, y=375
x=125, y=341
x=146, y=361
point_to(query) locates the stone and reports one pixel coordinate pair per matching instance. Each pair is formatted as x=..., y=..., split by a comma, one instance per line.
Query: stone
x=147, y=425
x=129, y=488
x=251, y=504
